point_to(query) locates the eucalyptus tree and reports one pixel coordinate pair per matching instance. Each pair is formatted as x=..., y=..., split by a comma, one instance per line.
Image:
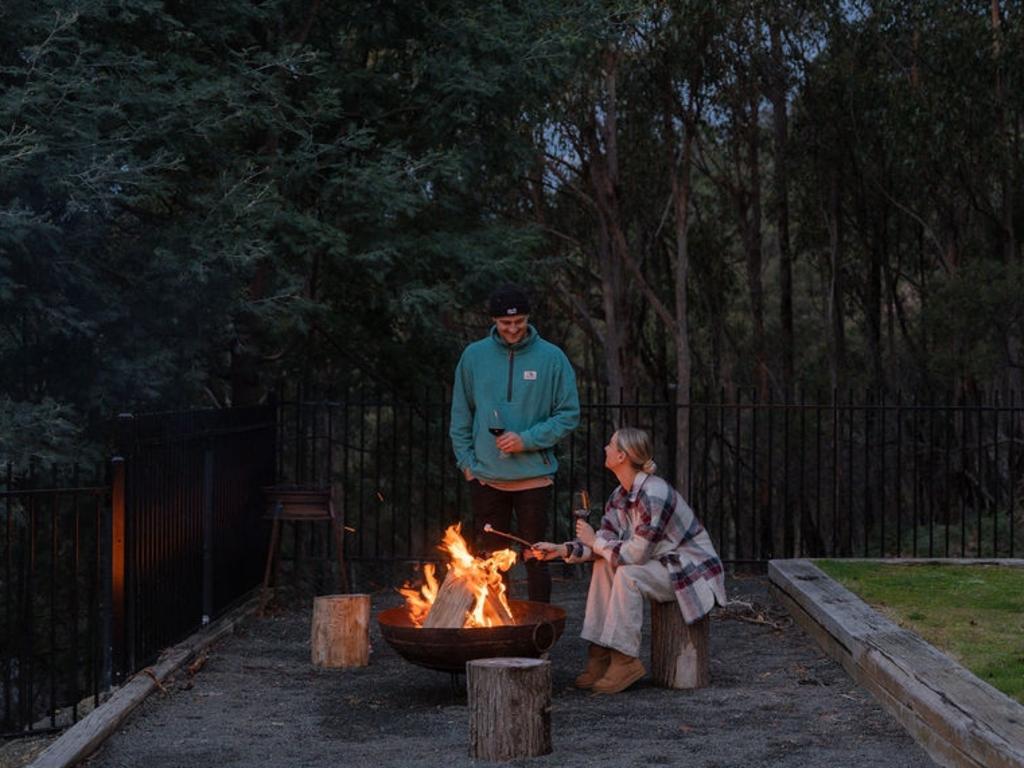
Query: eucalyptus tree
x=795, y=32
x=904, y=114
x=619, y=150
x=682, y=53
x=580, y=141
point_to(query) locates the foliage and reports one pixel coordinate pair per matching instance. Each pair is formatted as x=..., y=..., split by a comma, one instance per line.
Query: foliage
x=972, y=314
x=198, y=201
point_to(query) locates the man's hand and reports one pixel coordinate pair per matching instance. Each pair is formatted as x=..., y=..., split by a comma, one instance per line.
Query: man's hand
x=585, y=533
x=509, y=442
x=468, y=475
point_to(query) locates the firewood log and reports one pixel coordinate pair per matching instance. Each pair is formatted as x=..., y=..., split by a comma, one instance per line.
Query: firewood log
x=453, y=600
x=340, y=631
x=494, y=604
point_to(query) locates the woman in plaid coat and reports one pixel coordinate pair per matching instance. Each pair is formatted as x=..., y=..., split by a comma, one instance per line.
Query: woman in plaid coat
x=649, y=545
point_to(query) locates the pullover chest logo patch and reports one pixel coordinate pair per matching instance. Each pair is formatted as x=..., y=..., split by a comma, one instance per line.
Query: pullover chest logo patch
x=529, y=375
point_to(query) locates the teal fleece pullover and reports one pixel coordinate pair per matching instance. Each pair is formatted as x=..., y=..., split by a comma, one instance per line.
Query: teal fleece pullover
x=533, y=385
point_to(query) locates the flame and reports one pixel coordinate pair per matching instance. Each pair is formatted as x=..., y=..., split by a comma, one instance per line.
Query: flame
x=483, y=577
x=419, y=600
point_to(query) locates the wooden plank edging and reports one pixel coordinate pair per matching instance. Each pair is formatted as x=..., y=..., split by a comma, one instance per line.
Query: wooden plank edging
x=1002, y=562
x=957, y=718
x=85, y=736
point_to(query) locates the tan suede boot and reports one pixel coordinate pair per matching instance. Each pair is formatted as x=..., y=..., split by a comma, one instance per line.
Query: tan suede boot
x=622, y=672
x=598, y=659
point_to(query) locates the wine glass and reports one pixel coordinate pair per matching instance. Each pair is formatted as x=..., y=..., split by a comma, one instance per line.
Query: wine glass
x=581, y=506
x=496, y=426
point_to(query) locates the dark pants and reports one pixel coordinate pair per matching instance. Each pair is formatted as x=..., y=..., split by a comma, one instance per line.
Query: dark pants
x=531, y=510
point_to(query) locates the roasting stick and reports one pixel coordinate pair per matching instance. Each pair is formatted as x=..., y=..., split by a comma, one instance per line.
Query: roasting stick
x=488, y=528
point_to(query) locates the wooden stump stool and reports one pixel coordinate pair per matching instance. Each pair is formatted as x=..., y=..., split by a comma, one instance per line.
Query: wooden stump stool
x=340, y=635
x=509, y=708
x=679, y=651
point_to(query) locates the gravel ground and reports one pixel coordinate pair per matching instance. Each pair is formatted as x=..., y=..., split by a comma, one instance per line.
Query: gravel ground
x=775, y=700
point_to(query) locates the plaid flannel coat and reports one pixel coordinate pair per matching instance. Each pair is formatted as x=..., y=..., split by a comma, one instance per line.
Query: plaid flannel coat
x=652, y=522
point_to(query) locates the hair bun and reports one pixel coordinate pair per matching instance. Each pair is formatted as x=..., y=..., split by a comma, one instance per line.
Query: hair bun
x=650, y=467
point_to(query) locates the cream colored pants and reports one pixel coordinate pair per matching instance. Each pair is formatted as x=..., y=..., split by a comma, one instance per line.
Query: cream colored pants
x=615, y=603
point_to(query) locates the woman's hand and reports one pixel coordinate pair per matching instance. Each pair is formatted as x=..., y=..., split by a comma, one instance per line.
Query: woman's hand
x=585, y=533
x=545, y=550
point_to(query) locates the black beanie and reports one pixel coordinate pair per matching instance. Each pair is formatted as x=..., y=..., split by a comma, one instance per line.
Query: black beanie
x=509, y=299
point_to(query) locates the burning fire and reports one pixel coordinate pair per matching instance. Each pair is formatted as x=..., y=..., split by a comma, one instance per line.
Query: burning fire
x=481, y=577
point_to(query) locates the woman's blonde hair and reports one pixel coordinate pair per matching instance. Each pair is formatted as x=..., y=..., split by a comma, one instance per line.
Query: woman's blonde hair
x=636, y=444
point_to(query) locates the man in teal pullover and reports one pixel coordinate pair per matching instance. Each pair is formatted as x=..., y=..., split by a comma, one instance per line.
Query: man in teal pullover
x=513, y=399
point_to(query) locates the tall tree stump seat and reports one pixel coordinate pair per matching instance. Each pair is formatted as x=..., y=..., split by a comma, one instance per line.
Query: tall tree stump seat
x=679, y=651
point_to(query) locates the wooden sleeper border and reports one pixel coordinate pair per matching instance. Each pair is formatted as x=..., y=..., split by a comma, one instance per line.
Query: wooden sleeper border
x=86, y=736
x=957, y=718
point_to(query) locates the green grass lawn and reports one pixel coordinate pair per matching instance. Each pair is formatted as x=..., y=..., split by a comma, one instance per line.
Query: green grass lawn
x=973, y=613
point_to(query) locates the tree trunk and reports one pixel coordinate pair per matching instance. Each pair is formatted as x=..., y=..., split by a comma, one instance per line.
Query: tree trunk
x=749, y=213
x=781, y=141
x=509, y=708
x=603, y=165
x=680, y=656
x=873, y=310
x=612, y=288
x=1007, y=184
x=681, y=204
x=246, y=387
x=836, y=320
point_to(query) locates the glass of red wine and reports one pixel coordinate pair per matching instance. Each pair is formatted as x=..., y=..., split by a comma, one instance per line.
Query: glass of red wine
x=496, y=426
x=580, y=507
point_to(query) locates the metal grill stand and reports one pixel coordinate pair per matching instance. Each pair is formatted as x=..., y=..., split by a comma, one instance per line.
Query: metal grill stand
x=302, y=504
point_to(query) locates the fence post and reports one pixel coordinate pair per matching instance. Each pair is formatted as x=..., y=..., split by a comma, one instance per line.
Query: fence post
x=207, y=532
x=113, y=562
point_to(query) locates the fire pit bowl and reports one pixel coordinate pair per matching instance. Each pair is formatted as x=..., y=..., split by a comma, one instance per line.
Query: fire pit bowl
x=537, y=627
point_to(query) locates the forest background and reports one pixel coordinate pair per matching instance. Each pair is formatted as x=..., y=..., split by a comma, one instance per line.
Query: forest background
x=198, y=200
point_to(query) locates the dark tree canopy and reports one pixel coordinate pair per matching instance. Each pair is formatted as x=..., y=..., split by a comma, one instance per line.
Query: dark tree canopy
x=198, y=200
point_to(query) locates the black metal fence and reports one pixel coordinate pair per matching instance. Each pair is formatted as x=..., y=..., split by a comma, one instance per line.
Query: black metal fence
x=869, y=476
x=194, y=532
x=99, y=577
x=52, y=594
x=840, y=476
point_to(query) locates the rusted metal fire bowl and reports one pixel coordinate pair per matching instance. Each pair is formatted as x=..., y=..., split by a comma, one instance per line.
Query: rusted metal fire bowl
x=536, y=629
